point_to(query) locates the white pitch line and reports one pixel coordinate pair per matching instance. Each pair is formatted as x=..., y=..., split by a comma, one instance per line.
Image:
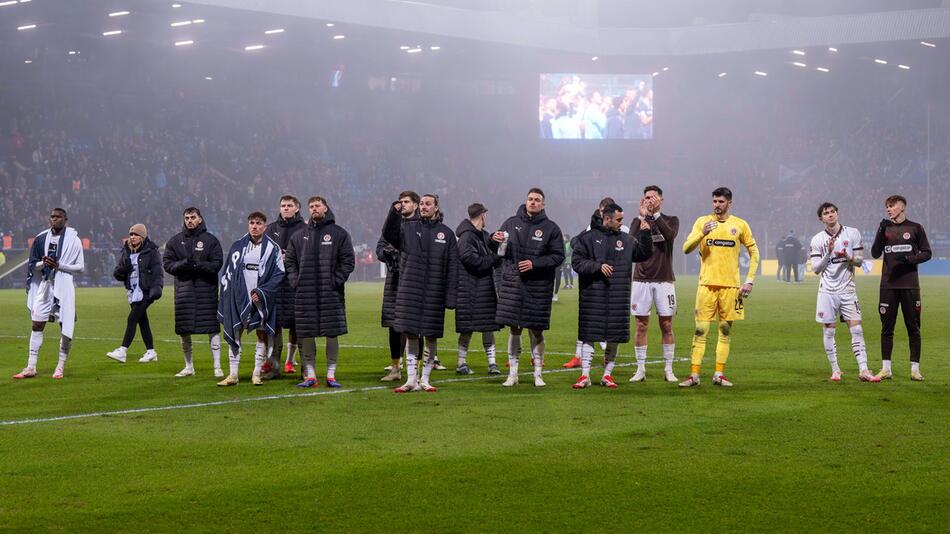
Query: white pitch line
x=267, y=398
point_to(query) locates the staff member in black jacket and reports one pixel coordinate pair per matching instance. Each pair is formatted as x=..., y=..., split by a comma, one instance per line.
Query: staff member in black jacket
x=288, y=223
x=534, y=251
x=475, y=311
x=319, y=260
x=389, y=254
x=194, y=258
x=603, y=259
x=428, y=280
x=140, y=268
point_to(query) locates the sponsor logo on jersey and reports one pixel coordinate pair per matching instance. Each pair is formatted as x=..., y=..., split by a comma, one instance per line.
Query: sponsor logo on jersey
x=720, y=243
x=251, y=266
x=897, y=248
x=906, y=235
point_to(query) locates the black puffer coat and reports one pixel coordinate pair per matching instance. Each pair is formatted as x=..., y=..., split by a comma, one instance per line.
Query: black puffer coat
x=281, y=231
x=604, y=303
x=476, y=300
x=194, y=258
x=151, y=277
x=428, y=273
x=389, y=254
x=319, y=260
x=524, y=299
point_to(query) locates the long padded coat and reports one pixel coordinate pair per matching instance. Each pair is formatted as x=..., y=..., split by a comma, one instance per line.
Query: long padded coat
x=604, y=302
x=428, y=273
x=194, y=258
x=281, y=231
x=476, y=300
x=524, y=299
x=319, y=260
x=389, y=254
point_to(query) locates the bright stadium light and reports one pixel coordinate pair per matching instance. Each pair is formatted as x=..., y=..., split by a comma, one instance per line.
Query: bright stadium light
x=405, y=47
x=798, y=52
x=414, y=50
x=184, y=43
x=655, y=74
x=28, y=61
x=73, y=52
x=274, y=31
x=119, y=13
x=880, y=61
x=253, y=47
x=799, y=64
x=8, y=3
x=928, y=44
x=339, y=36
x=176, y=6
x=822, y=69
x=198, y=21
x=722, y=74
x=595, y=58
x=110, y=33
x=436, y=48
x=26, y=27
x=665, y=69
x=209, y=78
x=330, y=25
x=905, y=67
x=761, y=73
x=180, y=23
x=832, y=49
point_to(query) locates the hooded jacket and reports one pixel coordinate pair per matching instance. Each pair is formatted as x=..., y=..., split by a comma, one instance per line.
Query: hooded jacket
x=194, y=258
x=476, y=299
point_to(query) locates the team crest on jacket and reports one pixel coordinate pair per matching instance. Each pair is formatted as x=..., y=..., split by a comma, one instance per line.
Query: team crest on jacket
x=199, y=245
x=537, y=235
x=327, y=239
x=440, y=237
x=619, y=244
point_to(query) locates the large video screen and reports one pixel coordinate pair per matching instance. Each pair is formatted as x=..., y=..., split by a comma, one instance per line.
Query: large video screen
x=596, y=106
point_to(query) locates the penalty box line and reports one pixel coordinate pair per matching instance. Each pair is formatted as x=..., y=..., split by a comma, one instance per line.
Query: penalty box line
x=150, y=409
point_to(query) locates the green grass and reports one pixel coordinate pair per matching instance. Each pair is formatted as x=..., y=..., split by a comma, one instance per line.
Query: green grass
x=783, y=450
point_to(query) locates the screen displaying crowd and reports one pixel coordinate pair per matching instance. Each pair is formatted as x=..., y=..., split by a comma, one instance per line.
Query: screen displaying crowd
x=596, y=106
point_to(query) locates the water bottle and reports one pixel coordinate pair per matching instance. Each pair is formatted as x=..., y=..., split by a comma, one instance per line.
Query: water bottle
x=503, y=247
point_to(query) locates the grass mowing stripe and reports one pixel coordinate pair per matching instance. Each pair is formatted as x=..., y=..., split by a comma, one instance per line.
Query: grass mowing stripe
x=274, y=397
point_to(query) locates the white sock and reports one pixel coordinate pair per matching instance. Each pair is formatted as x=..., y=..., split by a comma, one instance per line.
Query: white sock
x=186, y=350
x=488, y=343
x=36, y=341
x=885, y=365
x=464, y=339
x=514, y=352
x=610, y=358
x=260, y=353
x=234, y=360
x=587, y=354
x=578, y=348
x=333, y=354
x=537, y=350
x=214, y=340
x=668, y=352
x=308, y=356
x=411, y=348
x=857, y=346
x=915, y=367
x=641, y=353
x=831, y=350
x=64, y=345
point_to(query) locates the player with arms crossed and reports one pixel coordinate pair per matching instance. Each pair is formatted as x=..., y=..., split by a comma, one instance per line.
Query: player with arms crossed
x=719, y=295
x=834, y=253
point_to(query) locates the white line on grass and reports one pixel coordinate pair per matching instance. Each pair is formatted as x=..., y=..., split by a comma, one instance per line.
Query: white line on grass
x=266, y=398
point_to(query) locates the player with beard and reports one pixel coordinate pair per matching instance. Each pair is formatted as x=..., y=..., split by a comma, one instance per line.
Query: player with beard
x=282, y=230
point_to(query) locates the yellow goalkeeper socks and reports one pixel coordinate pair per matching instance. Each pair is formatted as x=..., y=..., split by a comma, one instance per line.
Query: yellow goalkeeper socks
x=699, y=345
x=722, y=347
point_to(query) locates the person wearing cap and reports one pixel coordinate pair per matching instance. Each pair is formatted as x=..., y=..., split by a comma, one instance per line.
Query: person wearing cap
x=476, y=298
x=140, y=269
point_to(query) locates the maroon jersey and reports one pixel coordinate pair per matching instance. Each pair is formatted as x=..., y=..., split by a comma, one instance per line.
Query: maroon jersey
x=659, y=267
x=904, y=246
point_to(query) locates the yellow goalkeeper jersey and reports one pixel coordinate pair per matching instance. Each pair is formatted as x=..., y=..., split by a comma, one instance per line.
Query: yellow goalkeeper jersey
x=719, y=250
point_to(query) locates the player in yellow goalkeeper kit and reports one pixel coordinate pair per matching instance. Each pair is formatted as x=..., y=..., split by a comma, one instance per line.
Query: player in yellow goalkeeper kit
x=719, y=295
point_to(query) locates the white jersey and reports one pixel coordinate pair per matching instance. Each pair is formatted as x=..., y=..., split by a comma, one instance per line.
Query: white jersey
x=838, y=274
x=252, y=260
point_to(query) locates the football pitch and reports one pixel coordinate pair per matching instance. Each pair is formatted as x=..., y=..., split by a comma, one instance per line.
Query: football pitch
x=784, y=450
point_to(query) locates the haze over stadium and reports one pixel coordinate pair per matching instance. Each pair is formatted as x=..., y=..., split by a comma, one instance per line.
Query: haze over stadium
x=123, y=113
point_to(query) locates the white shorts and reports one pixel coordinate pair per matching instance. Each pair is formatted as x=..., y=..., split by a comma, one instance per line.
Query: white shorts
x=833, y=306
x=43, y=303
x=645, y=295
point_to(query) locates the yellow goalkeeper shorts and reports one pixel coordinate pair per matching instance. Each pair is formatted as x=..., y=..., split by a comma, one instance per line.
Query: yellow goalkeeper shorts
x=717, y=303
